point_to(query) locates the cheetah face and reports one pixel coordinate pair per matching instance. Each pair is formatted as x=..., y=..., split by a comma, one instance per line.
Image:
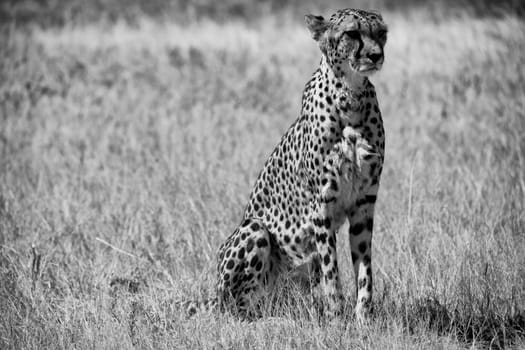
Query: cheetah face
x=352, y=41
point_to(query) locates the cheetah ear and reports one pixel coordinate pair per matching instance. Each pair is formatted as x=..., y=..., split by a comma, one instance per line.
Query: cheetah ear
x=316, y=25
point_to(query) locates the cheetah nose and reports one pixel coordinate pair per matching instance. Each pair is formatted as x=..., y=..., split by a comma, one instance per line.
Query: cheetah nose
x=374, y=57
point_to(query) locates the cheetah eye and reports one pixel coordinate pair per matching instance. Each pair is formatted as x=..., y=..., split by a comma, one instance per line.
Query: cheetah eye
x=381, y=33
x=352, y=34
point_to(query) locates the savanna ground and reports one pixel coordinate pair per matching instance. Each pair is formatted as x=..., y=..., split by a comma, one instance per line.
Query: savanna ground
x=130, y=138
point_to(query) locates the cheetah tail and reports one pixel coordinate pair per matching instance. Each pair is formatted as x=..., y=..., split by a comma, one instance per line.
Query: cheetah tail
x=191, y=307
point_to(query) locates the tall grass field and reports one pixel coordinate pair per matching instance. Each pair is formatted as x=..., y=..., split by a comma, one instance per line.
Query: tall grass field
x=128, y=149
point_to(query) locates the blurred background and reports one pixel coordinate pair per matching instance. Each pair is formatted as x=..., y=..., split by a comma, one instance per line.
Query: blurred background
x=60, y=12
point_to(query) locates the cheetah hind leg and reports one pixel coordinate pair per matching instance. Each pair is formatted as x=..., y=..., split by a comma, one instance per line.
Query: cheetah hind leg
x=244, y=269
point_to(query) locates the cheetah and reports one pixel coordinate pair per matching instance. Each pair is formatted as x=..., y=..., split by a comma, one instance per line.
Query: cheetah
x=325, y=170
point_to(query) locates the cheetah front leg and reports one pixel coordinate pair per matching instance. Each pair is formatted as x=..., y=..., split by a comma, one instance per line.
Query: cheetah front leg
x=361, y=220
x=325, y=229
x=325, y=242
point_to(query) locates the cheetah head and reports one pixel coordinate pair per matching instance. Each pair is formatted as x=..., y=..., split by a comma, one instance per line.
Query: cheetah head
x=352, y=41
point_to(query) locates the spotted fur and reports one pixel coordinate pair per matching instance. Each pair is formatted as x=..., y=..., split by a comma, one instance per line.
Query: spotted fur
x=324, y=171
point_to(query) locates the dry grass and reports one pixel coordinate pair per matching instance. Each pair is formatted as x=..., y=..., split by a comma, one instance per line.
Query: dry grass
x=149, y=137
